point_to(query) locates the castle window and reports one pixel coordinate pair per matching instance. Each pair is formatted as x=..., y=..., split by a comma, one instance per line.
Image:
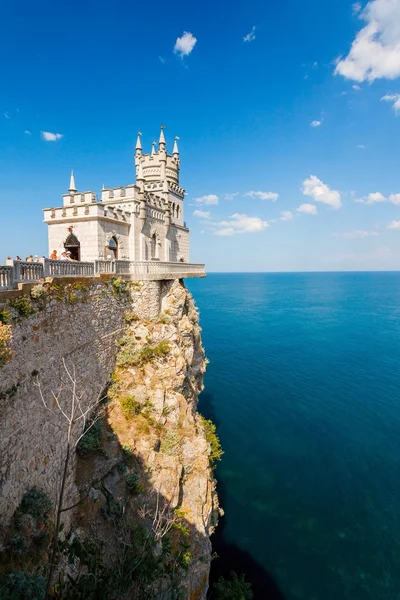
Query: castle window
x=72, y=244
x=112, y=249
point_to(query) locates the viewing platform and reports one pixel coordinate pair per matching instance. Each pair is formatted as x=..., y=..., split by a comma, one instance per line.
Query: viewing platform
x=19, y=271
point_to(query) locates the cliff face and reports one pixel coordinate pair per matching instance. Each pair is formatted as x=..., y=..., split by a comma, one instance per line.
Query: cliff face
x=145, y=483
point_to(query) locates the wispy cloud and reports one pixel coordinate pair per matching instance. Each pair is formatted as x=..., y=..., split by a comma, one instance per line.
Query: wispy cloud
x=287, y=215
x=162, y=60
x=357, y=235
x=309, y=209
x=231, y=196
x=185, y=44
x=51, y=137
x=375, y=51
x=209, y=199
x=361, y=146
x=263, y=195
x=376, y=197
x=356, y=87
x=7, y=116
x=356, y=7
x=395, y=100
x=393, y=225
x=251, y=36
x=318, y=190
x=316, y=123
x=27, y=132
x=239, y=223
x=202, y=214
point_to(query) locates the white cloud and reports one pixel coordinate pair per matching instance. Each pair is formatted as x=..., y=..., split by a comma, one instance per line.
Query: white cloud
x=315, y=65
x=316, y=123
x=395, y=99
x=263, y=195
x=51, y=137
x=238, y=223
x=356, y=87
x=7, y=116
x=250, y=36
x=374, y=197
x=225, y=231
x=358, y=234
x=308, y=208
x=210, y=199
x=287, y=215
x=393, y=225
x=361, y=146
x=27, y=132
x=375, y=51
x=356, y=7
x=231, y=196
x=202, y=214
x=185, y=44
x=320, y=192
x=162, y=60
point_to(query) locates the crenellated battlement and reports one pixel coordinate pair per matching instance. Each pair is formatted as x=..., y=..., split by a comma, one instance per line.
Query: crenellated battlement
x=140, y=221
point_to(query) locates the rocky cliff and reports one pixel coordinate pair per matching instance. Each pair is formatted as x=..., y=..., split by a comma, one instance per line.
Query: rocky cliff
x=141, y=484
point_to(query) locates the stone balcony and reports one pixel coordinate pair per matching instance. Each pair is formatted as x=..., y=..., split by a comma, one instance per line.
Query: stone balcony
x=18, y=272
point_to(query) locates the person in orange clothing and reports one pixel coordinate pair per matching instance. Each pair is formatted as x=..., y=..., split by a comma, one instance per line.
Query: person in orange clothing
x=53, y=255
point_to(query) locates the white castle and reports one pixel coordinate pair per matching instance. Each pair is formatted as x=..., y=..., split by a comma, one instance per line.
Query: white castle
x=139, y=222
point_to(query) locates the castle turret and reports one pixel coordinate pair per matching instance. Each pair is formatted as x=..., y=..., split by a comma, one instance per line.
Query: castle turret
x=175, y=151
x=72, y=186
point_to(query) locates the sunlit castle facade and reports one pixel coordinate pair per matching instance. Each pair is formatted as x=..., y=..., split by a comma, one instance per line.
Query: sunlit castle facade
x=141, y=221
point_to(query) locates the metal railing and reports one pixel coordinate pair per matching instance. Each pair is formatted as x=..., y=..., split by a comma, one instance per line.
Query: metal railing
x=29, y=272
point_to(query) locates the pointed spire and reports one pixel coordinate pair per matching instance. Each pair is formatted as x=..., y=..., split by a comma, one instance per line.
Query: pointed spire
x=138, y=143
x=161, y=141
x=72, y=186
x=175, y=151
x=153, y=150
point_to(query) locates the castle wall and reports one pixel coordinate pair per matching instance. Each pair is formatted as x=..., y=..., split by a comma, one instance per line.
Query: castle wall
x=80, y=324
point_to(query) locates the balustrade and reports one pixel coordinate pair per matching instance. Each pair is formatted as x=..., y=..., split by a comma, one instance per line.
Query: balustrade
x=28, y=272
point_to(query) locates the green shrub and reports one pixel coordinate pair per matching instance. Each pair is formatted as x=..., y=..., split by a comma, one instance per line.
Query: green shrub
x=130, y=406
x=119, y=287
x=22, y=586
x=133, y=484
x=35, y=503
x=5, y=317
x=91, y=442
x=38, y=292
x=22, y=305
x=212, y=438
x=5, y=339
x=236, y=588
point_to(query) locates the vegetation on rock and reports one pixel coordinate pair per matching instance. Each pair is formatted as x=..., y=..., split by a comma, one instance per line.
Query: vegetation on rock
x=212, y=438
x=5, y=338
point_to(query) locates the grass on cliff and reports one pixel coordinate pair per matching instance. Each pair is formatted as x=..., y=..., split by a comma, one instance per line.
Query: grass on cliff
x=131, y=356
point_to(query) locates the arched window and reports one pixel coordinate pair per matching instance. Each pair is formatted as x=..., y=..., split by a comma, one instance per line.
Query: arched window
x=112, y=249
x=72, y=245
x=177, y=211
x=154, y=247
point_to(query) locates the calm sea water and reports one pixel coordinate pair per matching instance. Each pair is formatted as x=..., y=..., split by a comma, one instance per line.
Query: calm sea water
x=304, y=384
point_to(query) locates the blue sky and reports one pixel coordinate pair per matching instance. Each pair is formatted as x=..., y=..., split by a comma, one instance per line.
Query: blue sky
x=288, y=116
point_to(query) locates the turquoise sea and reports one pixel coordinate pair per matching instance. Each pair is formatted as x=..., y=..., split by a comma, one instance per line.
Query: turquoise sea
x=304, y=385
